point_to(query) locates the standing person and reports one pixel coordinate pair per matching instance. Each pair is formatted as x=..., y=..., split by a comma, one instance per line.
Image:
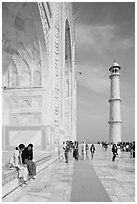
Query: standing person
x=27, y=157
x=92, y=150
x=87, y=148
x=63, y=147
x=66, y=150
x=84, y=150
x=133, y=148
x=75, y=150
x=106, y=146
x=114, y=151
x=118, y=150
x=16, y=162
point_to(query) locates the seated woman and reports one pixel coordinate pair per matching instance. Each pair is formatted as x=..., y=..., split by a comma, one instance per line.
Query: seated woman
x=16, y=162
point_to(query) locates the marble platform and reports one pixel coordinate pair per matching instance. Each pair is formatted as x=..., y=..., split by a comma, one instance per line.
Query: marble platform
x=55, y=183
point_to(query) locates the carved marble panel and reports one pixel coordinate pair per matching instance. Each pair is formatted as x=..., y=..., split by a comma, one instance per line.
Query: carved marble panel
x=36, y=101
x=25, y=102
x=36, y=118
x=14, y=118
x=25, y=118
x=14, y=102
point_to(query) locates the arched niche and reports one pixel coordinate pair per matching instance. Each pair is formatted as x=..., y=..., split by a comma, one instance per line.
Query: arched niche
x=25, y=77
x=13, y=75
x=23, y=38
x=37, y=79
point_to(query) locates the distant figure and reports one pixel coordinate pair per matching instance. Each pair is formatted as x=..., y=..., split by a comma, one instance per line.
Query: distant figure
x=84, y=150
x=87, y=149
x=63, y=147
x=16, y=162
x=27, y=157
x=92, y=150
x=106, y=146
x=66, y=150
x=114, y=151
x=133, y=147
x=118, y=150
x=75, y=150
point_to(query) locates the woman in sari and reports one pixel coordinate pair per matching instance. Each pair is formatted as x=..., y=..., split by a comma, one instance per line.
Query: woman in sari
x=16, y=162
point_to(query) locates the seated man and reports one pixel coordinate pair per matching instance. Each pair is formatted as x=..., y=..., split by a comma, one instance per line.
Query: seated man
x=27, y=157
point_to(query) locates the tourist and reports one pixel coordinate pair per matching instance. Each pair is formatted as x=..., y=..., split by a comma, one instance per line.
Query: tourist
x=75, y=150
x=133, y=149
x=106, y=146
x=87, y=149
x=92, y=150
x=84, y=150
x=114, y=151
x=16, y=162
x=118, y=150
x=66, y=150
x=63, y=147
x=27, y=157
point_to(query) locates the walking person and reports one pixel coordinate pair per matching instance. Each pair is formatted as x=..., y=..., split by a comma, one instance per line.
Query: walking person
x=75, y=150
x=114, y=151
x=16, y=162
x=63, y=148
x=87, y=149
x=84, y=150
x=27, y=157
x=66, y=150
x=106, y=146
x=131, y=150
x=92, y=150
x=118, y=150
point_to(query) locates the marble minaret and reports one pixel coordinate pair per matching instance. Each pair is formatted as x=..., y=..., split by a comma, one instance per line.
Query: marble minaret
x=115, y=101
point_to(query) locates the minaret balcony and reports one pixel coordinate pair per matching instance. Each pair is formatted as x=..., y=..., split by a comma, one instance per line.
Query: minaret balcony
x=114, y=74
x=114, y=121
x=114, y=99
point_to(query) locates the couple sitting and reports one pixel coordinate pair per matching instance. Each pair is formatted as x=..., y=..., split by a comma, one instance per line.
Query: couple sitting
x=21, y=157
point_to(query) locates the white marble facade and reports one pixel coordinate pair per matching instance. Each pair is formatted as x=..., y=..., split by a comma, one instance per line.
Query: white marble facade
x=39, y=85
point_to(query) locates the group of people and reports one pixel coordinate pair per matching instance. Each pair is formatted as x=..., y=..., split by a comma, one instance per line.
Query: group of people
x=82, y=150
x=128, y=147
x=85, y=148
x=78, y=150
x=22, y=161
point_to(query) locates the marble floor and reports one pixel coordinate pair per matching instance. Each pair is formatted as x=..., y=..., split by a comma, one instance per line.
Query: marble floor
x=118, y=178
x=54, y=184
